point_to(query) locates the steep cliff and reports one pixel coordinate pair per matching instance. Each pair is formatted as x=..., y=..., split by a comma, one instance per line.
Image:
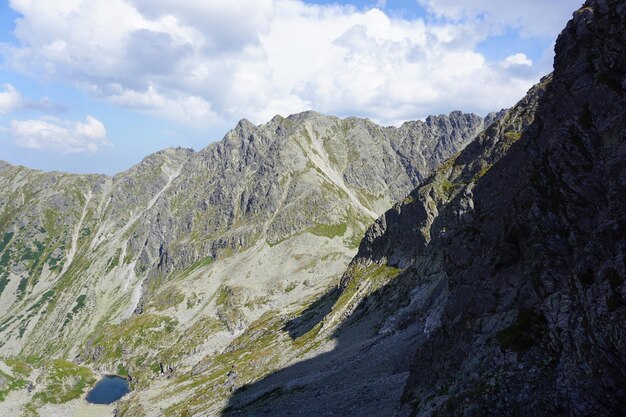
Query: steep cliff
x=520, y=263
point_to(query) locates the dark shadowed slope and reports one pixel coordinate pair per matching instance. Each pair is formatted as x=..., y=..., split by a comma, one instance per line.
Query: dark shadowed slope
x=533, y=318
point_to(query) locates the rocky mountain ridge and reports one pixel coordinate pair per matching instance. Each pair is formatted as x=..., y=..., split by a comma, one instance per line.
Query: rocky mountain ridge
x=382, y=312
x=200, y=242
x=539, y=293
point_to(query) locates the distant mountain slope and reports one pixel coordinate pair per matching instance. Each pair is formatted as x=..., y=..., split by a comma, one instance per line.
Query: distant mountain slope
x=94, y=268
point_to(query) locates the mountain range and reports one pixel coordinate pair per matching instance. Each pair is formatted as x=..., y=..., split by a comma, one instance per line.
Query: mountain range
x=322, y=266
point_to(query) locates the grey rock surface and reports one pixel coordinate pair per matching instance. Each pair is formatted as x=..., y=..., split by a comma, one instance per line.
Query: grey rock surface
x=495, y=287
x=264, y=183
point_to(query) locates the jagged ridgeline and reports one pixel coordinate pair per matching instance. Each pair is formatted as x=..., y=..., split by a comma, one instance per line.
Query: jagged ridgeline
x=169, y=261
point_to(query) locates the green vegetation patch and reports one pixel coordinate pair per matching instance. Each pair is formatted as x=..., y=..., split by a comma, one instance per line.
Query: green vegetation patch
x=5, y=240
x=33, y=253
x=199, y=264
x=21, y=288
x=10, y=383
x=122, y=371
x=114, y=261
x=79, y=305
x=228, y=302
x=4, y=281
x=362, y=282
x=167, y=298
x=50, y=220
x=8, y=321
x=135, y=334
x=23, y=365
x=447, y=187
x=5, y=258
x=22, y=328
x=513, y=135
x=55, y=263
x=44, y=298
x=483, y=171
x=63, y=382
x=155, y=367
x=328, y=230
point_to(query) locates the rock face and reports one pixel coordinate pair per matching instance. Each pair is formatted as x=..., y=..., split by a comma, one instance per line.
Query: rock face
x=388, y=302
x=519, y=250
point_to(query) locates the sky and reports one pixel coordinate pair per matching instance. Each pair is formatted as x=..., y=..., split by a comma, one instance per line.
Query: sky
x=93, y=86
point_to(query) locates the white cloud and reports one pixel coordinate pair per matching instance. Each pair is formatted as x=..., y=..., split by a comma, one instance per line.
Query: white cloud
x=210, y=60
x=59, y=135
x=185, y=108
x=225, y=26
x=516, y=59
x=10, y=99
x=532, y=17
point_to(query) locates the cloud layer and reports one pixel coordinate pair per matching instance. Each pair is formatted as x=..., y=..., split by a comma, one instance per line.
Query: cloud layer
x=531, y=17
x=200, y=61
x=10, y=99
x=58, y=135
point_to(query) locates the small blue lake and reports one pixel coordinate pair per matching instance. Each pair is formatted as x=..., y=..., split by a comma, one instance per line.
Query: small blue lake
x=108, y=389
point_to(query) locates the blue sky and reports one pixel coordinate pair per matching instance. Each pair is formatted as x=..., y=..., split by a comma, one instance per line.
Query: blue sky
x=93, y=86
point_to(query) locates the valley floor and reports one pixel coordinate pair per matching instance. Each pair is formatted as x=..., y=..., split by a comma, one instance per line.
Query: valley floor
x=14, y=404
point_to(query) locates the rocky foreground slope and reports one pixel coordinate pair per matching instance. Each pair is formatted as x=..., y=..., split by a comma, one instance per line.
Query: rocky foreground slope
x=165, y=265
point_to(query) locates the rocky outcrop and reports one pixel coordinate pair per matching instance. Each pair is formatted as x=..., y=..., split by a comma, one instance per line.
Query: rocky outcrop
x=381, y=313
x=403, y=232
